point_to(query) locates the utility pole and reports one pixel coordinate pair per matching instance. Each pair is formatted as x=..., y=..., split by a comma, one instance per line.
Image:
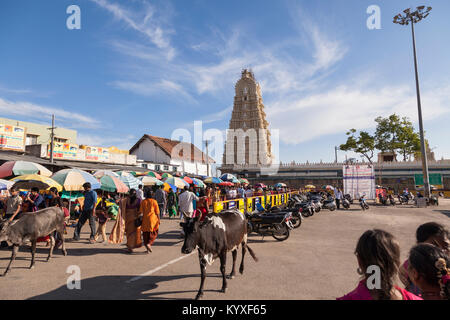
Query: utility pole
x=52, y=138
x=415, y=17
x=335, y=154
x=207, y=158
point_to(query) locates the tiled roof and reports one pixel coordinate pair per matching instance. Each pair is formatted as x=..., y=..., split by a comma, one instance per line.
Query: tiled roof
x=176, y=149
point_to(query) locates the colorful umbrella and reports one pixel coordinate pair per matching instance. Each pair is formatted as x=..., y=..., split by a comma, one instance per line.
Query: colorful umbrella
x=150, y=181
x=19, y=168
x=199, y=183
x=213, y=180
x=177, y=182
x=112, y=184
x=73, y=179
x=168, y=186
x=5, y=184
x=188, y=180
x=226, y=183
x=229, y=177
x=34, y=180
x=130, y=181
x=328, y=187
x=166, y=175
x=154, y=175
x=261, y=185
x=243, y=181
x=100, y=173
x=280, y=185
x=310, y=186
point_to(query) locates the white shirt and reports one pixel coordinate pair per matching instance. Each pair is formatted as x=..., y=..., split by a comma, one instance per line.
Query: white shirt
x=185, y=202
x=140, y=194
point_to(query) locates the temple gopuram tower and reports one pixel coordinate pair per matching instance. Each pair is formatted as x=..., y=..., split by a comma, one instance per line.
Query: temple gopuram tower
x=248, y=137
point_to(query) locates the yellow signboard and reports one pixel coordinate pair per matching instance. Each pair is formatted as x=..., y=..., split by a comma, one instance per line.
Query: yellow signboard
x=12, y=137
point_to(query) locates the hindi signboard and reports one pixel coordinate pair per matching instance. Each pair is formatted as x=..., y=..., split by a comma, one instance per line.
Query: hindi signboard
x=359, y=180
x=12, y=137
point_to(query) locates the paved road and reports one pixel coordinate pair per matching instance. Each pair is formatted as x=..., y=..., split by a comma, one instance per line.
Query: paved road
x=316, y=262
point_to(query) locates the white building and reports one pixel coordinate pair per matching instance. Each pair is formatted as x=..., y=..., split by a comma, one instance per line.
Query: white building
x=181, y=156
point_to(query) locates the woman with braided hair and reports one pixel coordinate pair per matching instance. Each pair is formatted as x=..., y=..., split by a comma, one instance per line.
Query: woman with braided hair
x=378, y=250
x=429, y=269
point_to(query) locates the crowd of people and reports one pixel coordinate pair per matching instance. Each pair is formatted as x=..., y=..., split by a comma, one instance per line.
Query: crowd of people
x=425, y=275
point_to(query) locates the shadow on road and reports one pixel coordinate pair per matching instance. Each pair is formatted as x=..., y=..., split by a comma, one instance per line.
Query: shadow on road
x=117, y=288
x=444, y=212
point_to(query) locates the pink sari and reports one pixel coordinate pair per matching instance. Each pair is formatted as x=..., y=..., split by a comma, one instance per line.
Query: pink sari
x=362, y=293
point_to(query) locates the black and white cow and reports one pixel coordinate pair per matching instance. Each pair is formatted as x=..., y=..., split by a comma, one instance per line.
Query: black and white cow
x=214, y=237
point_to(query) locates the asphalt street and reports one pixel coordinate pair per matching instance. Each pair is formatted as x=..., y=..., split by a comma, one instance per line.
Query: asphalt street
x=316, y=262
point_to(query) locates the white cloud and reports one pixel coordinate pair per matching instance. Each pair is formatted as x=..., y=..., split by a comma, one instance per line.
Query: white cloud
x=144, y=22
x=337, y=110
x=34, y=111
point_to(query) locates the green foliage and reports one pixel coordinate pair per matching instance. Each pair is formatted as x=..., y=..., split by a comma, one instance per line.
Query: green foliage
x=362, y=144
x=392, y=134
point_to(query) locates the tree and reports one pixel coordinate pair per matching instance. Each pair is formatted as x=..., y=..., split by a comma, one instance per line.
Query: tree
x=386, y=134
x=363, y=144
x=408, y=140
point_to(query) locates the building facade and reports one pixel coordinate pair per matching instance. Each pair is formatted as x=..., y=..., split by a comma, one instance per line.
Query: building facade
x=174, y=155
x=248, y=137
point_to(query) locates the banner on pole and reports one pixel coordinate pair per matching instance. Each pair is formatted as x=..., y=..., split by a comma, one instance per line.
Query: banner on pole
x=359, y=180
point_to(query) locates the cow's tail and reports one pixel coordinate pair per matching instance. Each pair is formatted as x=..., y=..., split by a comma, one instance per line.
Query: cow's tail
x=251, y=252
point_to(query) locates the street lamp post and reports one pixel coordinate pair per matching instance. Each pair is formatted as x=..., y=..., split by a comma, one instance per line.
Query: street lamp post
x=414, y=17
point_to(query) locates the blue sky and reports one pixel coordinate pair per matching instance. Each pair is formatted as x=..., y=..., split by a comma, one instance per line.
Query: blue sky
x=139, y=67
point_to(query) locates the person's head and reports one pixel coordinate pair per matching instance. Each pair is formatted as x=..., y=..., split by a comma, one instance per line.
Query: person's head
x=140, y=187
x=14, y=191
x=429, y=269
x=34, y=191
x=379, y=248
x=148, y=193
x=132, y=194
x=170, y=190
x=434, y=233
x=186, y=188
x=53, y=191
x=87, y=186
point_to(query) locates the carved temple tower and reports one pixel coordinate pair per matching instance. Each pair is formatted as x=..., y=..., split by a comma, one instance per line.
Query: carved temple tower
x=248, y=137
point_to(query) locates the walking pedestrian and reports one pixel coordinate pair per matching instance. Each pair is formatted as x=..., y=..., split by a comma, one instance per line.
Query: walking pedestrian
x=338, y=195
x=149, y=210
x=161, y=199
x=140, y=193
x=13, y=205
x=172, y=204
x=102, y=215
x=186, y=203
x=90, y=202
x=130, y=209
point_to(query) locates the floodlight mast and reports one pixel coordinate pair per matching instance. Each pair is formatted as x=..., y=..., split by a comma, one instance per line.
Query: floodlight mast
x=415, y=17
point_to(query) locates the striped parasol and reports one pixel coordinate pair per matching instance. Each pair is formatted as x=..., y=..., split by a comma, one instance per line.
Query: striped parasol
x=100, y=173
x=19, y=168
x=130, y=181
x=113, y=184
x=199, y=183
x=150, y=181
x=213, y=180
x=177, y=182
x=73, y=179
x=5, y=184
x=154, y=175
x=29, y=181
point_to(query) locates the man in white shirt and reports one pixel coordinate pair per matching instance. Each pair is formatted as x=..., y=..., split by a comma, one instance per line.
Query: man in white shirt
x=186, y=204
x=140, y=193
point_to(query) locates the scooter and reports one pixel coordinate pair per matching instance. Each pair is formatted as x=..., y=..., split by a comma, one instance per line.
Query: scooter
x=329, y=204
x=349, y=198
x=363, y=203
x=345, y=203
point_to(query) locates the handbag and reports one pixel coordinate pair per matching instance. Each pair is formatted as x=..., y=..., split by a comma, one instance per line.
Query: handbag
x=138, y=222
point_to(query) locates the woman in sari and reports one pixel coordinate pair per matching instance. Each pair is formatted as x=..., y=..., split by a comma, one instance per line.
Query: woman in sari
x=172, y=204
x=149, y=210
x=130, y=211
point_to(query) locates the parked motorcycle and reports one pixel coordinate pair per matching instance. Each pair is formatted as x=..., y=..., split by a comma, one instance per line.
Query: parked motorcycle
x=391, y=199
x=363, y=203
x=345, y=203
x=349, y=198
x=270, y=224
x=305, y=208
x=404, y=199
x=329, y=204
x=295, y=211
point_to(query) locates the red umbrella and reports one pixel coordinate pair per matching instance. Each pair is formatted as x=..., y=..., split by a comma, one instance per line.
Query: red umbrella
x=226, y=183
x=188, y=180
